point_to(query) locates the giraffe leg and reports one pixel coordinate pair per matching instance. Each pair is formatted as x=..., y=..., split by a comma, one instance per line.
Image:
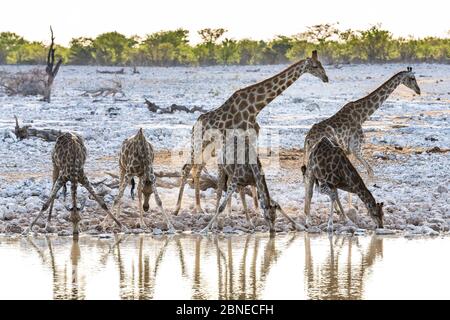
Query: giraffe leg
x=349, y=201
x=170, y=226
x=229, y=209
x=244, y=204
x=292, y=221
x=123, y=182
x=332, y=193
x=309, y=190
x=184, y=176
x=341, y=209
x=55, y=176
x=197, y=173
x=330, y=218
x=141, y=210
x=255, y=198
x=75, y=215
x=230, y=190
x=59, y=183
x=358, y=155
x=355, y=148
x=85, y=182
x=220, y=184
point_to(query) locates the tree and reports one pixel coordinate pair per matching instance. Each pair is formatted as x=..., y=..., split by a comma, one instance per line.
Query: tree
x=166, y=47
x=319, y=33
x=207, y=49
x=250, y=51
x=9, y=44
x=111, y=48
x=31, y=53
x=376, y=43
x=276, y=50
x=228, y=52
x=82, y=51
x=209, y=35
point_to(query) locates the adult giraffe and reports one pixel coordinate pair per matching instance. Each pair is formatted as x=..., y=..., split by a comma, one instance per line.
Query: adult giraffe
x=239, y=112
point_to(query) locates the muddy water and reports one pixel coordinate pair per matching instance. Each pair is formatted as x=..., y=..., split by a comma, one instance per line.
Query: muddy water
x=291, y=266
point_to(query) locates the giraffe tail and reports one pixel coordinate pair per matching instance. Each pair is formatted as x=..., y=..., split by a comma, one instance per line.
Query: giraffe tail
x=133, y=186
x=303, y=171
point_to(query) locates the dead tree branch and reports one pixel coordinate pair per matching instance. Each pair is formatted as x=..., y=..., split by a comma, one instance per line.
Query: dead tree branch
x=152, y=107
x=120, y=71
x=34, y=82
x=25, y=132
x=52, y=69
x=113, y=90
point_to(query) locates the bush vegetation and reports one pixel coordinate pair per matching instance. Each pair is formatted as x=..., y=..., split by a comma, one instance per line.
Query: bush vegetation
x=172, y=48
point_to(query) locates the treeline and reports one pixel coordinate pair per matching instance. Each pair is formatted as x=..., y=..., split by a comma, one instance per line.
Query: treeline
x=172, y=48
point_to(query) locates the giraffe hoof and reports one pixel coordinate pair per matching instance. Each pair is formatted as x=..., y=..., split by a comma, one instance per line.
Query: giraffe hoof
x=198, y=211
x=143, y=225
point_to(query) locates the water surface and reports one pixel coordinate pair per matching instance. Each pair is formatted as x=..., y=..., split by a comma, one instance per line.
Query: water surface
x=292, y=266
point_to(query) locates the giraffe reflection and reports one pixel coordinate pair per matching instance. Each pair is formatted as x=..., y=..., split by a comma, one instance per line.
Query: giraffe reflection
x=343, y=273
x=215, y=267
x=67, y=284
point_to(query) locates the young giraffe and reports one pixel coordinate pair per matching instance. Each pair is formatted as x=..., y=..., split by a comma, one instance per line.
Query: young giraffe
x=136, y=160
x=69, y=156
x=243, y=175
x=329, y=168
x=239, y=112
x=345, y=127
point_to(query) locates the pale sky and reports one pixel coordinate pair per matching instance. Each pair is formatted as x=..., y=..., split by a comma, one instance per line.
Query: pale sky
x=256, y=19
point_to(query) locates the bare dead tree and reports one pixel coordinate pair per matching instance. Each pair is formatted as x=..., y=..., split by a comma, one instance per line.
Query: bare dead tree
x=113, y=90
x=52, y=69
x=152, y=107
x=120, y=71
x=27, y=132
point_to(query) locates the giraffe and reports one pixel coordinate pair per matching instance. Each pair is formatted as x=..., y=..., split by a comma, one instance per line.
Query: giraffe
x=345, y=127
x=68, y=157
x=136, y=160
x=329, y=169
x=239, y=112
x=243, y=175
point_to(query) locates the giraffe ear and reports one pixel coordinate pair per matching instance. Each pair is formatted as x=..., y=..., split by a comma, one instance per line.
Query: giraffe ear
x=314, y=55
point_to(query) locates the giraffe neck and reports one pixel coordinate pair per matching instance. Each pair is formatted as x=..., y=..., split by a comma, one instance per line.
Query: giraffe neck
x=362, y=111
x=263, y=190
x=365, y=195
x=262, y=93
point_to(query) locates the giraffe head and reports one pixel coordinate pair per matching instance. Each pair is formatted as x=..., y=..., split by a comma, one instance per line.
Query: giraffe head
x=147, y=190
x=314, y=67
x=376, y=213
x=270, y=214
x=409, y=80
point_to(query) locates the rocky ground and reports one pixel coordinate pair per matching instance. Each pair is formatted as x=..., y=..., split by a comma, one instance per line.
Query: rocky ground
x=407, y=144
